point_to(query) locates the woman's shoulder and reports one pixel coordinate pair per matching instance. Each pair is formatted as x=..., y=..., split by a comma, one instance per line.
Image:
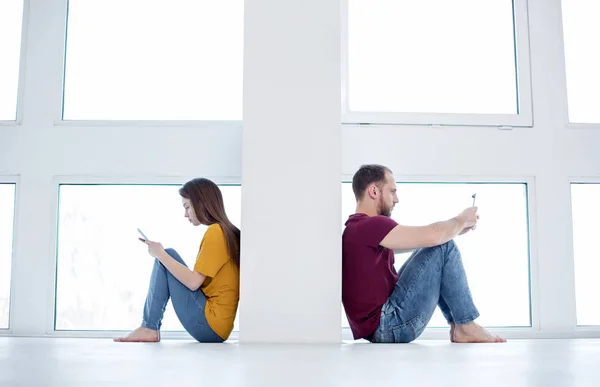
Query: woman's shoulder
x=214, y=231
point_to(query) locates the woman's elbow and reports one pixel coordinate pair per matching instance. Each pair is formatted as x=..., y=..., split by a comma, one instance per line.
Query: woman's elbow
x=196, y=281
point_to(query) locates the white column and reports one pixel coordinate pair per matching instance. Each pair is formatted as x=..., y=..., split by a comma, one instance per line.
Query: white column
x=291, y=169
x=31, y=150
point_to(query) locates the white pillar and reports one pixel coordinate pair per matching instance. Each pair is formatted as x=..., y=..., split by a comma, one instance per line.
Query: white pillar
x=291, y=170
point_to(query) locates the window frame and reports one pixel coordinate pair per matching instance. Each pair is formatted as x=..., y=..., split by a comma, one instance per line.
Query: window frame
x=13, y=180
x=523, y=118
x=58, y=107
x=535, y=328
x=582, y=180
x=52, y=283
x=22, y=64
x=570, y=124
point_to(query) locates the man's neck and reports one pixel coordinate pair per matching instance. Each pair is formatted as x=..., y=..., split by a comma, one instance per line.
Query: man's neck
x=367, y=210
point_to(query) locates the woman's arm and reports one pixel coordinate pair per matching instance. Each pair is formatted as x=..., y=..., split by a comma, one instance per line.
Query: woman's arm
x=190, y=278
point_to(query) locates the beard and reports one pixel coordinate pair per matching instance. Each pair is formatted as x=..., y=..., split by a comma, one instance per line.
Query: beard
x=384, y=209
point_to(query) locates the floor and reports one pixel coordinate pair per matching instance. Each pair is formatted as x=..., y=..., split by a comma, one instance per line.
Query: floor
x=100, y=362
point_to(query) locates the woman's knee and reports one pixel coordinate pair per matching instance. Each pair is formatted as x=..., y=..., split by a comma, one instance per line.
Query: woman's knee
x=174, y=254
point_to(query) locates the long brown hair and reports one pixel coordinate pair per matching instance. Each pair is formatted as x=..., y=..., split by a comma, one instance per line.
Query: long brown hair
x=207, y=200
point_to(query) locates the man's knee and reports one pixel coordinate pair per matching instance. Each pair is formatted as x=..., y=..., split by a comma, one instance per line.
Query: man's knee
x=450, y=244
x=442, y=251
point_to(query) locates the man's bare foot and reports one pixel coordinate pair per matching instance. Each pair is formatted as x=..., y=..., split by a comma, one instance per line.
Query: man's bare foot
x=452, y=329
x=140, y=335
x=474, y=333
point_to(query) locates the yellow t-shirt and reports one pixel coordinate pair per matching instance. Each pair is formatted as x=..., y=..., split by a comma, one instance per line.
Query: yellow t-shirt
x=222, y=284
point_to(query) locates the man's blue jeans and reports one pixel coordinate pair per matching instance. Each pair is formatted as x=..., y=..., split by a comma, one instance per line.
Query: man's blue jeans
x=431, y=277
x=189, y=305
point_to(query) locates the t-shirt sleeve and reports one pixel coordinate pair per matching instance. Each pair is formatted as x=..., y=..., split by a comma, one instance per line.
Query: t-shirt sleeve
x=213, y=252
x=376, y=228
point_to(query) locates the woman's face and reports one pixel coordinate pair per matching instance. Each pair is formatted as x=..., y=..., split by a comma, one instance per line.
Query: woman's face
x=189, y=211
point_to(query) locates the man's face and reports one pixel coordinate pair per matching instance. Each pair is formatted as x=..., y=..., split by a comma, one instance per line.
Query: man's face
x=387, y=197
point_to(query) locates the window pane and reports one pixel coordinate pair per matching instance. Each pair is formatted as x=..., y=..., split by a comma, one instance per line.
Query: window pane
x=11, y=18
x=103, y=269
x=432, y=56
x=7, y=210
x=581, y=30
x=495, y=256
x=154, y=60
x=586, y=212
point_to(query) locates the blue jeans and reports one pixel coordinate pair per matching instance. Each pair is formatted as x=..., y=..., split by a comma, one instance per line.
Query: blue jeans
x=431, y=277
x=189, y=305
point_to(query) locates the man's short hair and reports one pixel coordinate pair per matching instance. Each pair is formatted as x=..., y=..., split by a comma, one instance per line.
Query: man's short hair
x=366, y=175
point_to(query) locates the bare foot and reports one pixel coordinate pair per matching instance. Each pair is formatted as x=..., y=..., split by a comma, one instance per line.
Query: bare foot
x=474, y=333
x=140, y=335
x=452, y=329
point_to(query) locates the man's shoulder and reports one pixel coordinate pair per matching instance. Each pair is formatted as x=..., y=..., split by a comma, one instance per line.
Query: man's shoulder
x=359, y=222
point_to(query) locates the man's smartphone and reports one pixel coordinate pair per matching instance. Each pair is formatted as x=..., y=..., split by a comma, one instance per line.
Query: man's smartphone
x=142, y=234
x=474, y=196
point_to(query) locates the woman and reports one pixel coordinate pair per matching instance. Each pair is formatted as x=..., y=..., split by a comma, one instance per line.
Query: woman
x=205, y=299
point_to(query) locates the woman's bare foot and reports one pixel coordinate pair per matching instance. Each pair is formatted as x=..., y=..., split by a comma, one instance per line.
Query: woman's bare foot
x=452, y=329
x=474, y=333
x=140, y=335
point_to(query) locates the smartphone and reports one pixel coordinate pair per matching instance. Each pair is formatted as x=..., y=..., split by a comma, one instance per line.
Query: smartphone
x=474, y=196
x=142, y=234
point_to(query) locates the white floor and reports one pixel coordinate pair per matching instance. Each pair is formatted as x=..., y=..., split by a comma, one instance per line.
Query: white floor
x=100, y=362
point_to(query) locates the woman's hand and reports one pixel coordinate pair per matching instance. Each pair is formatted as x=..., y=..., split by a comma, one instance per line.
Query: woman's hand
x=155, y=249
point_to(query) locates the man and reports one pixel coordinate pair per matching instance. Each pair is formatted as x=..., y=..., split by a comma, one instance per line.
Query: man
x=383, y=306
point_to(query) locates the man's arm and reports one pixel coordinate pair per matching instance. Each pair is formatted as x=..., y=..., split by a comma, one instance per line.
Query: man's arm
x=435, y=234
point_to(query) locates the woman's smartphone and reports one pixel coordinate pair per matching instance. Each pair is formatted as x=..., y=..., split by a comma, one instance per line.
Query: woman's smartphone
x=142, y=234
x=474, y=196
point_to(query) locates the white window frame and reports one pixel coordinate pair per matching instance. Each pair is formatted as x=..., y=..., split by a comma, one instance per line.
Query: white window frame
x=533, y=331
x=22, y=62
x=50, y=299
x=582, y=330
x=58, y=104
x=15, y=180
x=569, y=124
x=524, y=118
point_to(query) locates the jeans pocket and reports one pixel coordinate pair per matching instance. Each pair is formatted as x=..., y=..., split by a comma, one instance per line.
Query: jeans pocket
x=409, y=331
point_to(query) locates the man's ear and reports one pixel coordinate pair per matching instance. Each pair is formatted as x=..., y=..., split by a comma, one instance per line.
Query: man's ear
x=372, y=191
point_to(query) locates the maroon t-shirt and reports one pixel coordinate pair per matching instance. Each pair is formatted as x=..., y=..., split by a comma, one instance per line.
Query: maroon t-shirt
x=368, y=274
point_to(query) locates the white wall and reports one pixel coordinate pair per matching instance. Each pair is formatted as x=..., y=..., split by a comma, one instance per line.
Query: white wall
x=37, y=151
x=291, y=242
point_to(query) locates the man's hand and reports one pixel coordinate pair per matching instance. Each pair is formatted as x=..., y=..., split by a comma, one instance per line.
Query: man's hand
x=470, y=219
x=467, y=229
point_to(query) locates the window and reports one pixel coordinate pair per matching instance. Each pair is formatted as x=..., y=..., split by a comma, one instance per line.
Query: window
x=437, y=62
x=154, y=60
x=7, y=209
x=103, y=270
x=586, y=212
x=495, y=256
x=11, y=18
x=581, y=31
